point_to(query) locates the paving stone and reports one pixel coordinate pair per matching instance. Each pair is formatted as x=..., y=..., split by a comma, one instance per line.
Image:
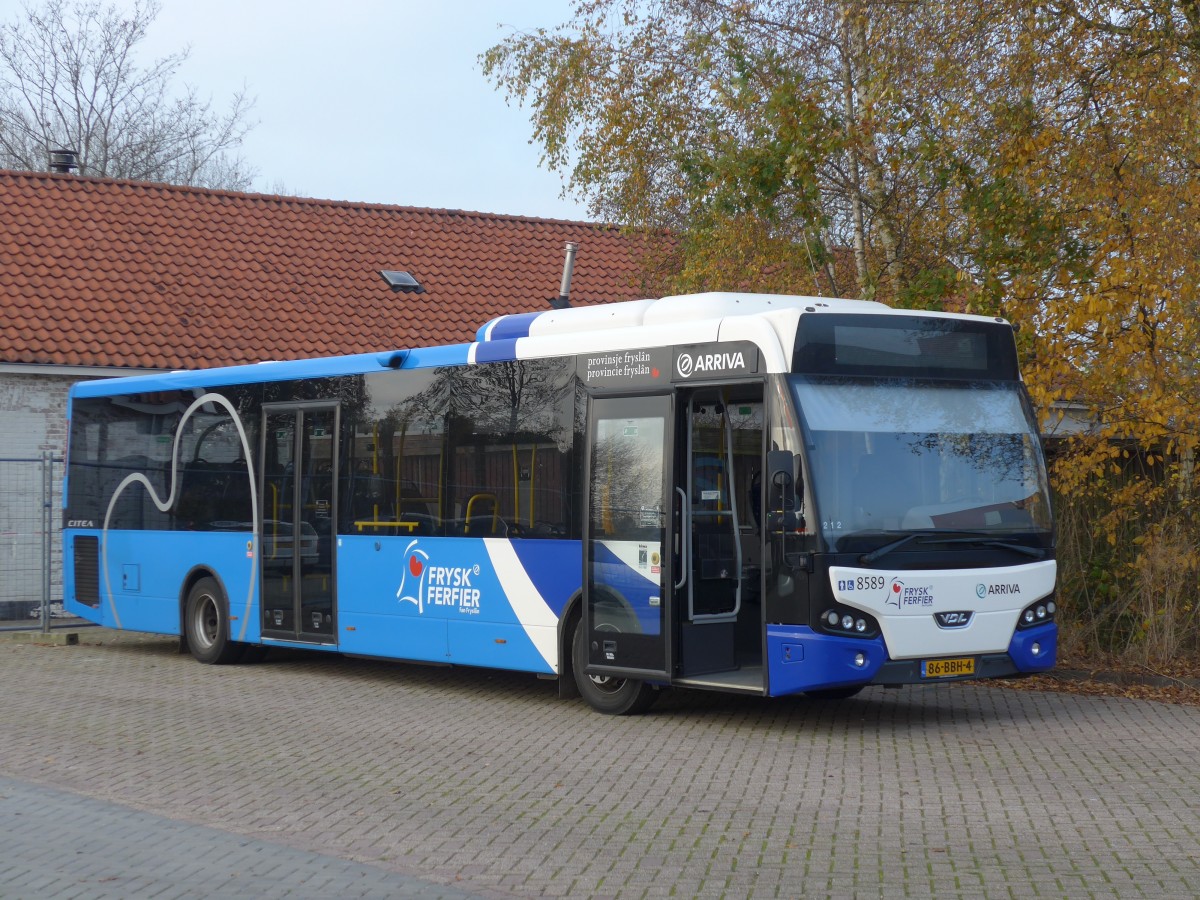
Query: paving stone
x=60, y=844
x=275, y=775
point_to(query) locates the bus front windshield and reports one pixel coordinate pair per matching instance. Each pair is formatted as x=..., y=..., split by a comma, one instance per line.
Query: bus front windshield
x=901, y=455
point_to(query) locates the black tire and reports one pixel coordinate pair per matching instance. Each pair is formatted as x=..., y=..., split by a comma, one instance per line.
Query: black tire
x=843, y=693
x=604, y=693
x=206, y=623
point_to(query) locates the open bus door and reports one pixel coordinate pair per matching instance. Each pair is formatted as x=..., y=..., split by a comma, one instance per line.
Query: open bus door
x=674, y=543
x=718, y=589
x=626, y=622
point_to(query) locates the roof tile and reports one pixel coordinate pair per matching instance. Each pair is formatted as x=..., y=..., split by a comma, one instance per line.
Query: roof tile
x=118, y=273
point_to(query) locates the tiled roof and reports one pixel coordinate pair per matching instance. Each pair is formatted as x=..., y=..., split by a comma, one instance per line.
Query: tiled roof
x=99, y=272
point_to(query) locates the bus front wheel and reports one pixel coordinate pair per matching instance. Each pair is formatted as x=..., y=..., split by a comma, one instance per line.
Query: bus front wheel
x=605, y=693
x=207, y=625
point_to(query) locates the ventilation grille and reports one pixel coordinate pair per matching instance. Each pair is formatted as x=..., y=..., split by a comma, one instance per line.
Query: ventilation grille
x=87, y=571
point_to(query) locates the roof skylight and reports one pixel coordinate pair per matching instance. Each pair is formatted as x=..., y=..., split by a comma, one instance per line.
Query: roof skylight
x=402, y=281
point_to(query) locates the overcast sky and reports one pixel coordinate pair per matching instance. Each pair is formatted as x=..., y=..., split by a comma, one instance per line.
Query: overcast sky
x=373, y=100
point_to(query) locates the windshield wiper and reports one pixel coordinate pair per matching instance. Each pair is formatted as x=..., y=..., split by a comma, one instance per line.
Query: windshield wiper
x=979, y=538
x=1035, y=552
x=880, y=552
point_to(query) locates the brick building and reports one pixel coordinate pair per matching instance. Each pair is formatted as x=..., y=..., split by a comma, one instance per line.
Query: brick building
x=100, y=277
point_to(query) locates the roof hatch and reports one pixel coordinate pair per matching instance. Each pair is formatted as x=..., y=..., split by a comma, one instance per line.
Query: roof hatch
x=401, y=281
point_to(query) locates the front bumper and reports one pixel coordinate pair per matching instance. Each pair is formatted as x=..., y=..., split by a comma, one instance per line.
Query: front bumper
x=799, y=659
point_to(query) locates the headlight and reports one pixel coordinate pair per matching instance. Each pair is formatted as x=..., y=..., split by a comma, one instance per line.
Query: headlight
x=847, y=621
x=1038, y=613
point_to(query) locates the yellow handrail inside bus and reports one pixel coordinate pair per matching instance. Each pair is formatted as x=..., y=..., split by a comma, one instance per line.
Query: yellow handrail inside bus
x=483, y=498
x=532, y=471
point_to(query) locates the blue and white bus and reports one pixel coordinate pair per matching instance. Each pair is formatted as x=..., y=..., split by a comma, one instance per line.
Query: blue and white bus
x=761, y=494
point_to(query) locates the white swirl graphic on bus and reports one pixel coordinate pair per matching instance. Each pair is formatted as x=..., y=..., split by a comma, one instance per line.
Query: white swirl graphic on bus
x=166, y=505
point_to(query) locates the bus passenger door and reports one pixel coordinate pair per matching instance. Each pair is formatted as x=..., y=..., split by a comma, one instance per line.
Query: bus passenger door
x=298, y=465
x=628, y=540
x=718, y=598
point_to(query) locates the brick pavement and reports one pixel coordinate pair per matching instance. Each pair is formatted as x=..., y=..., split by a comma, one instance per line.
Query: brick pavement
x=483, y=782
x=59, y=844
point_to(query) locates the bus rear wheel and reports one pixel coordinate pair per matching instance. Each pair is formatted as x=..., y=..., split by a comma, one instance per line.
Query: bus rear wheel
x=605, y=693
x=206, y=622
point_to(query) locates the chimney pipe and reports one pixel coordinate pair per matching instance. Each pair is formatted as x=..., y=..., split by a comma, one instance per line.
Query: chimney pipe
x=562, y=301
x=63, y=161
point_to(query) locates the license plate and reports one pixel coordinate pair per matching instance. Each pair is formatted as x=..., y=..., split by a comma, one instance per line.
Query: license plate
x=948, y=668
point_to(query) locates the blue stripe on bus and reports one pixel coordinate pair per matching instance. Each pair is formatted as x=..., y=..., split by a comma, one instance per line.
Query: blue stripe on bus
x=435, y=599
x=555, y=567
x=639, y=592
x=496, y=351
x=429, y=357
x=508, y=327
x=260, y=373
x=457, y=609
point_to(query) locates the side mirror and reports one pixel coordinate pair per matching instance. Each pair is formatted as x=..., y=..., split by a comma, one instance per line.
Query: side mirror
x=781, y=466
x=786, y=493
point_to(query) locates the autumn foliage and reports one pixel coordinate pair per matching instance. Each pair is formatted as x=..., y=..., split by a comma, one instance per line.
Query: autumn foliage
x=1034, y=160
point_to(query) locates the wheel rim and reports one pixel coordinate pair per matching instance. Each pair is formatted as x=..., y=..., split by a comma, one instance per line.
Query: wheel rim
x=206, y=621
x=606, y=684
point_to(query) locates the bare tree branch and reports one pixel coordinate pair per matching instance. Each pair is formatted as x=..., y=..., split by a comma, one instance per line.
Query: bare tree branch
x=70, y=77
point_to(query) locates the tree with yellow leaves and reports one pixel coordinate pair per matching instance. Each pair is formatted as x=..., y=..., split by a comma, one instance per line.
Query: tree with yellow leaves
x=1035, y=160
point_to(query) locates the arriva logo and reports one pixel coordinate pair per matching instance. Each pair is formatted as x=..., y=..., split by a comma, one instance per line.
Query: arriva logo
x=993, y=590
x=708, y=362
x=422, y=584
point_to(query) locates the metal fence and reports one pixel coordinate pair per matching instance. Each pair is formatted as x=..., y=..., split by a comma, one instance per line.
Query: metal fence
x=31, y=543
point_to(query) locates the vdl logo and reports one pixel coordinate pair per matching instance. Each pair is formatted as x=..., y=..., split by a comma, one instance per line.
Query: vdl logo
x=422, y=584
x=956, y=619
